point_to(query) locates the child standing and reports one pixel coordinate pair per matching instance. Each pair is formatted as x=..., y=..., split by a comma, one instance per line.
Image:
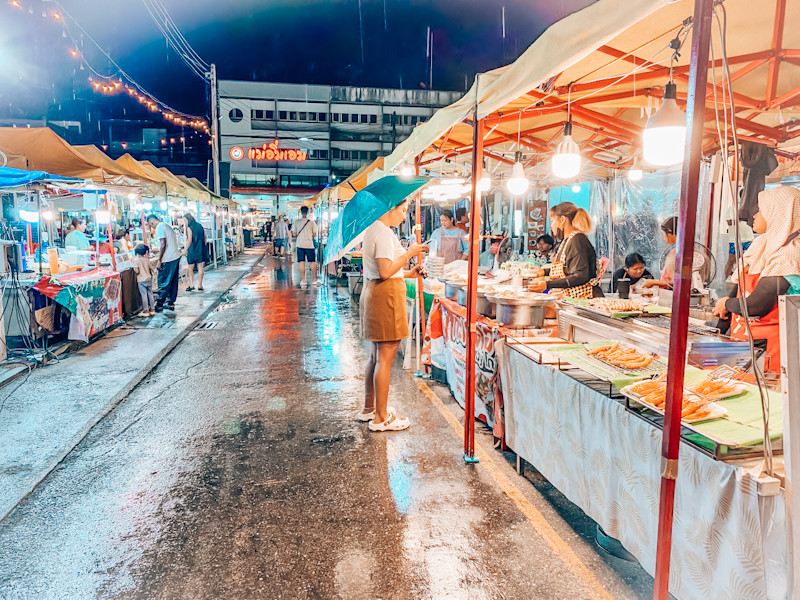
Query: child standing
x=144, y=277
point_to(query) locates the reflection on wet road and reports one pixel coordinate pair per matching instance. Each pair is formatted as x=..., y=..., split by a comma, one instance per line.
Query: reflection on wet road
x=236, y=470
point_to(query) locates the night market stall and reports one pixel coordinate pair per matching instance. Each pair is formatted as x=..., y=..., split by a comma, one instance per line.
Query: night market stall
x=583, y=106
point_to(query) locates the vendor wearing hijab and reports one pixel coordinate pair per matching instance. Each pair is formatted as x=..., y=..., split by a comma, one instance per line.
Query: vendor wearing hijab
x=772, y=260
x=574, y=269
x=450, y=241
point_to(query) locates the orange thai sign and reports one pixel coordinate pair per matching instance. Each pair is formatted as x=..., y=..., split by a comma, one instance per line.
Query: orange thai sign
x=272, y=152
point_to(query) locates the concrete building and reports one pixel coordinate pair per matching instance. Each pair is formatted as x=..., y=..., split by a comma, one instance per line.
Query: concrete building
x=285, y=142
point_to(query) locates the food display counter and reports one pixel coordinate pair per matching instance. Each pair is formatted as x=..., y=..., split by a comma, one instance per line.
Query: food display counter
x=571, y=410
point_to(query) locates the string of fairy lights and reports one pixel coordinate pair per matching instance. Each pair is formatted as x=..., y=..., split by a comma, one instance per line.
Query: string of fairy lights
x=118, y=83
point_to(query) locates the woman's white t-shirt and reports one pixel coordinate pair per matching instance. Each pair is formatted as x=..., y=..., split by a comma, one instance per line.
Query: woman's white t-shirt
x=380, y=242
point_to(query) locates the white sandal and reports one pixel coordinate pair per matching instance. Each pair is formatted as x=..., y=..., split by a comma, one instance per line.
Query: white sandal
x=393, y=423
x=364, y=417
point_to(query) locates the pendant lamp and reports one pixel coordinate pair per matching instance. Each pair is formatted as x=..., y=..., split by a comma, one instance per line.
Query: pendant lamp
x=665, y=133
x=567, y=159
x=635, y=173
x=518, y=183
x=485, y=184
x=406, y=170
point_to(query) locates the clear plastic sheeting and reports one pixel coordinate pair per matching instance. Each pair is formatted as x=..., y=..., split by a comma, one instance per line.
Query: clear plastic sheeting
x=601, y=217
x=640, y=208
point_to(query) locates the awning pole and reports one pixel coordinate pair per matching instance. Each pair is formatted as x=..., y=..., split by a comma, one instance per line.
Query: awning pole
x=420, y=292
x=687, y=217
x=472, y=288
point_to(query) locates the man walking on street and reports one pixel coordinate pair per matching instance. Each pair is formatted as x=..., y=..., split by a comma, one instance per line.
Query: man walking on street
x=281, y=234
x=168, y=265
x=305, y=231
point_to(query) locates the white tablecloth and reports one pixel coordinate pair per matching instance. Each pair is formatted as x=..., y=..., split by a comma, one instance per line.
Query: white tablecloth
x=728, y=542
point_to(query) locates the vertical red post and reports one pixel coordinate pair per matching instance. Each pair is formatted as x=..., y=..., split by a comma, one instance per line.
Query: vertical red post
x=687, y=216
x=418, y=223
x=472, y=287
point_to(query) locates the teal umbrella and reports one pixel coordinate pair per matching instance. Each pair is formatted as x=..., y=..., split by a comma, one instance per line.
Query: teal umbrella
x=366, y=207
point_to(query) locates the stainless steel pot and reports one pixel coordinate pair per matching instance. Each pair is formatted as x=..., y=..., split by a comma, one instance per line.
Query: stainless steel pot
x=355, y=283
x=486, y=307
x=461, y=295
x=451, y=290
x=520, y=315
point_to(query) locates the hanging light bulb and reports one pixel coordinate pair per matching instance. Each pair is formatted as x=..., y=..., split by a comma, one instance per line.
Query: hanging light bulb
x=518, y=183
x=47, y=215
x=406, y=170
x=29, y=214
x=635, y=173
x=485, y=184
x=567, y=159
x=576, y=188
x=665, y=133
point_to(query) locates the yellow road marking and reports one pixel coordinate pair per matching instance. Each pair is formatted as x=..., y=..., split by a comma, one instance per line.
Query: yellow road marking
x=540, y=524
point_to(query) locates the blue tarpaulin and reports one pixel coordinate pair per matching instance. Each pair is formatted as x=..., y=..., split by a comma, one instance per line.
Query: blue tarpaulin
x=12, y=178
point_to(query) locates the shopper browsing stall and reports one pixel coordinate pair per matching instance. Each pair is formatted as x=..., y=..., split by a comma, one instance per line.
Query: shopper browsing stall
x=450, y=241
x=306, y=234
x=144, y=278
x=196, y=251
x=772, y=260
x=383, y=314
x=574, y=270
x=169, y=261
x=488, y=258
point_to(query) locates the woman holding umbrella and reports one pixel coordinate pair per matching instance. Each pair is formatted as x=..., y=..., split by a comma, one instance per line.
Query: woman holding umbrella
x=383, y=314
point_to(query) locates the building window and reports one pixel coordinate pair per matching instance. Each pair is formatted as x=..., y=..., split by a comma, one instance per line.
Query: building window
x=323, y=154
x=257, y=114
x=323, y=117
x=405, y=119
x=236, y=115
x=336, y=153
x=292, y=116
x=303, y=116
x=387, y=119
x=364, y=118
x=345, y=118
x=282, y=115
x=335, y=117
x=270, y=115
x=345, y=154
x=284, y=180
x=373, y=119
x=355, y=118
x=312, y=116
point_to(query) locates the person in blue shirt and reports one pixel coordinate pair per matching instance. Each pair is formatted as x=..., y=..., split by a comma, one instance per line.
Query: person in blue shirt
x=450, y=241
x=77, y=237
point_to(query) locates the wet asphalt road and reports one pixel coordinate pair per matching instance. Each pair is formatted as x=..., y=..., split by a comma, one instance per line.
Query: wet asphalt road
x=236, y=470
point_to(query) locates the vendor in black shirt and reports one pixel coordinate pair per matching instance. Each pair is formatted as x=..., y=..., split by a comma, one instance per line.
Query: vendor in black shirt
x=635, y=269
x=574, y=270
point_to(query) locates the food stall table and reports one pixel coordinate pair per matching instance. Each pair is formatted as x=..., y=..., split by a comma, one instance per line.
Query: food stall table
x=728, y=540
x=92, y=297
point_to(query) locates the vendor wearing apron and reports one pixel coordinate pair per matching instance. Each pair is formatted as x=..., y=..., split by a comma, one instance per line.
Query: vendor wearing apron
x=574, y=270
x=450, y=241
x=771, y=265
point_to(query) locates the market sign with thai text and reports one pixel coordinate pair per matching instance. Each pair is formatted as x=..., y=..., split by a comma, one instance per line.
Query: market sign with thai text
x=273, y=152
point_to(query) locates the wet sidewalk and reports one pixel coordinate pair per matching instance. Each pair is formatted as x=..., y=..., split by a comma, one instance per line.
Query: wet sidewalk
x=44, y=414
x=236, y=470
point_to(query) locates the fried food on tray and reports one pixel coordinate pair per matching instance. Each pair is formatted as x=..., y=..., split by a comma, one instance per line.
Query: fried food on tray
x=694, y=408
x=626, y=358
x=716, y=388
x=613, y=305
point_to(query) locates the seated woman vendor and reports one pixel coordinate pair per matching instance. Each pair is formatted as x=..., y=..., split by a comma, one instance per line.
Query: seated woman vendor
x=635, y=269
x=574, y=270
x=772, y=260
x=450, y=241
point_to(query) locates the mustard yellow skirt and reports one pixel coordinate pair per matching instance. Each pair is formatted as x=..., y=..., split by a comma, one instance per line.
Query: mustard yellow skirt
x=382, y=310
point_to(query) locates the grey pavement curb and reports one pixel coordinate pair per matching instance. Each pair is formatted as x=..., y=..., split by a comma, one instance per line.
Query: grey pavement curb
x=122, y=394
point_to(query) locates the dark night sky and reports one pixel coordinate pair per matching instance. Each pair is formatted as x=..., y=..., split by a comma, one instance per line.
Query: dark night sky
x=299, y=41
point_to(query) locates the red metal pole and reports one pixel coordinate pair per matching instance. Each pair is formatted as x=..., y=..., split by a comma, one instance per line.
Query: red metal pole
x=687, y=216
x=418, y=223
x=472, y=288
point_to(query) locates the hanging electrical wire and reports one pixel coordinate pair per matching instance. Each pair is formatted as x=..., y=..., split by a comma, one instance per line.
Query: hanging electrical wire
x=121, y=82
x=175, y=38
x=733, y=184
